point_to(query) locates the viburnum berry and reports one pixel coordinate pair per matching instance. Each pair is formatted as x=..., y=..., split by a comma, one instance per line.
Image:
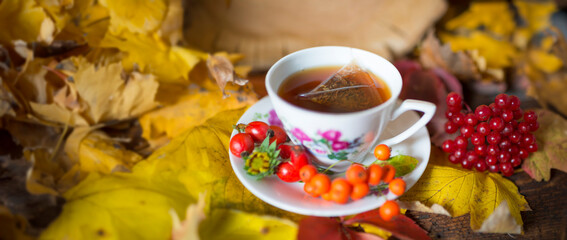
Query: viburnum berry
x=458, y=119
x=513, y=103
x=448, y=146
x=500, y=134
x=480, y=166
x=467, y=131
x=454, y=100
x=451, y=127
x=461, y=142
x=470, y=119
x=501, y=101
x=530, y=116
x=483, y=128
x=483, y=112
x=480, y=149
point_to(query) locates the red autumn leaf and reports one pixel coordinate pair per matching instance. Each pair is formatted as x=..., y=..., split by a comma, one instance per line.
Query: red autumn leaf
x=363, y=236
x=400, y=226
x=315, y=228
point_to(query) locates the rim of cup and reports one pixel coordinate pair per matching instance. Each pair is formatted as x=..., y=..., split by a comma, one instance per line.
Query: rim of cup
x=272, y=91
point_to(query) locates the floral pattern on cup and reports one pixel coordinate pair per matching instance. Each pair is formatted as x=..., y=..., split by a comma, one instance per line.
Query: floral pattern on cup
x=300, y=135
x=270, y=117
x=327, y=144
x=338, y=149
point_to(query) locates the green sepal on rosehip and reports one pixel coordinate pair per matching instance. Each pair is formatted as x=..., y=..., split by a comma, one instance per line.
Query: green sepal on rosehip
x=263, y=160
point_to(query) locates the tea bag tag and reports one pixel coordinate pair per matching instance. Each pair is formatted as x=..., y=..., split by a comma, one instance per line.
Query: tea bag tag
x=349, y=89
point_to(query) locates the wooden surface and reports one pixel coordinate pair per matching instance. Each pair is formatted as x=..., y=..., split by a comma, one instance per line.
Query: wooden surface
x=548, y=201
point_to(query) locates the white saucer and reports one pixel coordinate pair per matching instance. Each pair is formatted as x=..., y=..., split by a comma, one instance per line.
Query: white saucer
x=291, y=197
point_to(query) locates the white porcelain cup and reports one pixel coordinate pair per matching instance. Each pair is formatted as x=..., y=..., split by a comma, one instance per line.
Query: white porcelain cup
x=336, y=136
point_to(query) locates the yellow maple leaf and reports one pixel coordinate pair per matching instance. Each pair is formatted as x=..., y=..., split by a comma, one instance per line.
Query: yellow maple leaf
x=146, y=17
x=151, y=54
x=30, y=20
x=231, y=224
x=171, y=178
x=462, y=191
x=119, y=206
x=188, y=229
x=199, y=157
x=494, y=16
x=498, y=54
x=191, y=108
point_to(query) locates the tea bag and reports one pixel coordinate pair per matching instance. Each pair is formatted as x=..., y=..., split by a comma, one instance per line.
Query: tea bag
x=349, y=89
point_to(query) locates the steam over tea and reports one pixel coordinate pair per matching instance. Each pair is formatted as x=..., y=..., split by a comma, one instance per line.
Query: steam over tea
x=334, y=89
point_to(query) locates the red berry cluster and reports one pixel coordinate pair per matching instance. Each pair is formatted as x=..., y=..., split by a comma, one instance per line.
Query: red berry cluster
x=492, y=137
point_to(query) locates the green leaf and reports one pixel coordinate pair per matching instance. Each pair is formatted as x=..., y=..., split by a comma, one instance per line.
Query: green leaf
x=402, y=163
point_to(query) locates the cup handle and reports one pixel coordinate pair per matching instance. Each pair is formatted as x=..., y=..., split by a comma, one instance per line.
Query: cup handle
x=428, y=110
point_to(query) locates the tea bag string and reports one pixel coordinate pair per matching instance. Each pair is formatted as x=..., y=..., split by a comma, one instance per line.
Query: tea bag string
x=307, y=94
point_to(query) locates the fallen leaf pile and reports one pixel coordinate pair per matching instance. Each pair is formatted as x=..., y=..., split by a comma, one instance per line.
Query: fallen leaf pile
x=87, y=90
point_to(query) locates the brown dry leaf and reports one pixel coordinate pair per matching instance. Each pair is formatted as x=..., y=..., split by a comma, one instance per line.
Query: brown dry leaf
x=172, y=25
x=190, y=108
x=418, y=206
x=30, y=212
x=47, y=171
x=552, y=142
x=54, y=113
x=501, y=221
x=548, y=89
x=433, y=54
x=105, y=94
x=188, y=229
x=222, y=71
x=12, y=226
x=111, y=97
x=6, y=100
